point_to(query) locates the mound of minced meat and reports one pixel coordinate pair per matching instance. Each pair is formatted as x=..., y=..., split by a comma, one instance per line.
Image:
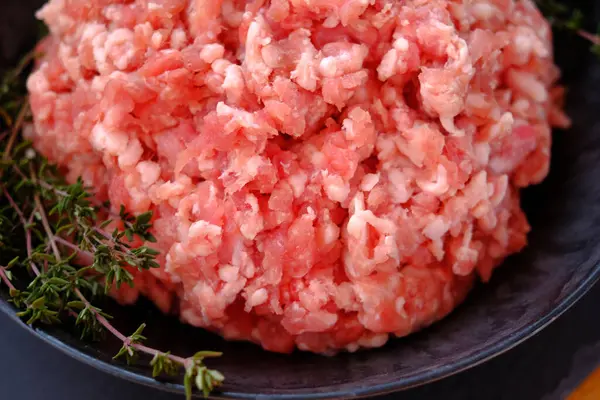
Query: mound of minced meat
x=324, y=174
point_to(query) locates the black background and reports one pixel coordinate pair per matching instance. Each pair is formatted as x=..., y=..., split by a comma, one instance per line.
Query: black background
x=546, y=367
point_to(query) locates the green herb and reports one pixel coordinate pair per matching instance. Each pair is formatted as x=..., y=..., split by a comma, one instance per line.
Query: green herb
x=560, y=14
x=48, y=228
x=565, y=18
x=57, y=253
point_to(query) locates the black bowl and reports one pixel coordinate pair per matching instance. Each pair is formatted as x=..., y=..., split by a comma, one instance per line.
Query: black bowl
x=526, y=294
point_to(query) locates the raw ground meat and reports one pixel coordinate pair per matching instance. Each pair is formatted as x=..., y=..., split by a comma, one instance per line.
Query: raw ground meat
x=324, y=174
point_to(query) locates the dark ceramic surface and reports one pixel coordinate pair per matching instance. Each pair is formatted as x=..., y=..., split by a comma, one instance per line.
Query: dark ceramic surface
x=528, y=292
x=546, y=367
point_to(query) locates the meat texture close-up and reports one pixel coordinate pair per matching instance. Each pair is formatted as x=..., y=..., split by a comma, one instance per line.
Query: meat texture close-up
x=323, y=174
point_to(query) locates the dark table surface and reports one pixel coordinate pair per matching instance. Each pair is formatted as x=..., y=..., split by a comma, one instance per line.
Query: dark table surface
x=546, y=367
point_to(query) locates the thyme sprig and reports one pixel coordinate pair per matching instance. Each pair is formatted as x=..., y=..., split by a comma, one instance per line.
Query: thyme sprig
x=563, y=17
x=60, y=249
x=57, y=254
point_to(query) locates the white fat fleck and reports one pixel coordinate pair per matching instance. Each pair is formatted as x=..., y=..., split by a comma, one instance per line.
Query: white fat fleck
x=376, y=340
x=331, y=232
x=398, y=187
x=368, y=182
x=331, y=21
x=449, y=125
x=439, y=186
x=387, y=67
x=178, y=38
x=400, y=303
x=436, y=228
x=204, y=237
x=229, y=273
x=401, y=44
x=157, y=39
x=484, y=11
x=327, y=67
x=352, y=347
x=335, y=187
x=257, y=298
x=482, y=153
x=252, y=165
x=131, y=155
x=298, y=183
x=113, y=142
x=149, y=172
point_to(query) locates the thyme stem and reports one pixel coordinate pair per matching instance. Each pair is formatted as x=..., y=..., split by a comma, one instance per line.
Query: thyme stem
x=25, y=225
x=594, y=39
x=46, y=226
x=101, y=318
x=70, y=245
x=5, y=279
x=15, y=132
x=29, y=248
x=153, y=352
x=60, y=222
x=192, y=365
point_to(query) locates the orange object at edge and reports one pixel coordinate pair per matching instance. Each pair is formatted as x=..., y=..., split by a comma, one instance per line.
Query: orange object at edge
x=589, y=389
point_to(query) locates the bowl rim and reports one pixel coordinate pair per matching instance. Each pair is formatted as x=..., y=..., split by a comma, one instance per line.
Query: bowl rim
x=500, y=346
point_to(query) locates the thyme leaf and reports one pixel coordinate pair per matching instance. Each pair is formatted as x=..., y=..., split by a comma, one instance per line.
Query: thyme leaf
x=60, y=249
